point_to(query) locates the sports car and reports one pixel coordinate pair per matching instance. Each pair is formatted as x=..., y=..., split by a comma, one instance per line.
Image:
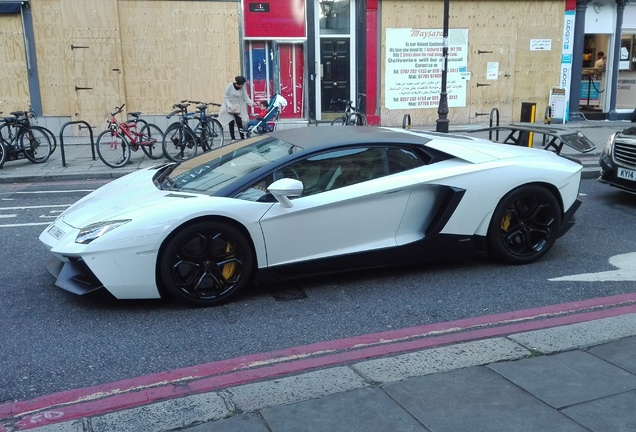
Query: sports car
x=618, y=160
x=306, y=201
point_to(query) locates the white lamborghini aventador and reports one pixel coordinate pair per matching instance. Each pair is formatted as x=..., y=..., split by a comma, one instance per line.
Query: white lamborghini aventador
x=306, y=201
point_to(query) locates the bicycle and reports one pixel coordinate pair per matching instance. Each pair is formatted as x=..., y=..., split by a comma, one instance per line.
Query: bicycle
x=30, y=119
x=20, y=139
x=114, y=145
x=208, y=130
x=352, y=115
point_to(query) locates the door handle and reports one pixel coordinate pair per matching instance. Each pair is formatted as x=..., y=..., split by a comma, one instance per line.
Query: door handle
x=83, y=88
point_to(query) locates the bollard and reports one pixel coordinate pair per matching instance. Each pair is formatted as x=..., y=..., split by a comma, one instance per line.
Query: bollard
x=528, y=114
x=406, y=121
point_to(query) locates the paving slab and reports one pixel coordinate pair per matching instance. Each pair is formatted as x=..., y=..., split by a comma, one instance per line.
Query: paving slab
x=476, y=399
x=611, y=414
x=164, y=416
x=368, y=410
x=620, y=353
x=296, y=388
x=567, y=378
x=251, y=422
x=579, y=335
x=441, y=359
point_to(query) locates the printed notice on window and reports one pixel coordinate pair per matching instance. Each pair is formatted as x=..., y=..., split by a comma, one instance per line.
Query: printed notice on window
x=414, y=62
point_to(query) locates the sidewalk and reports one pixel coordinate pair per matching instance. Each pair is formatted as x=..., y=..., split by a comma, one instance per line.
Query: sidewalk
x=577, y=377
x=567, y=370
x=80, y=165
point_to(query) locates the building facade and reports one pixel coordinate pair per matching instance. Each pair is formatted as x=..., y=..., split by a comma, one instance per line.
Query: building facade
x=77, y=60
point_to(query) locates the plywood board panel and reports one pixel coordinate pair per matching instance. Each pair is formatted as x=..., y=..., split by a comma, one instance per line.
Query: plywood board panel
x=173, y=50
x=504, y=27
x=53, y=57
x=14, y=90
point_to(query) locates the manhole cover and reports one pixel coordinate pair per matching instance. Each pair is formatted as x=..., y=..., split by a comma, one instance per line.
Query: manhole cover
x=289, y=294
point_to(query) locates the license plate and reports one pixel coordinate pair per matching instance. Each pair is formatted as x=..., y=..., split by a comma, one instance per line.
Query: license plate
x=626, y=174
x=55, y=232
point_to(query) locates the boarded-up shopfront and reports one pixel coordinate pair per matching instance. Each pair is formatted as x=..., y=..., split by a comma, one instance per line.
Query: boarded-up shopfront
x=501, y=53
x=93, y=55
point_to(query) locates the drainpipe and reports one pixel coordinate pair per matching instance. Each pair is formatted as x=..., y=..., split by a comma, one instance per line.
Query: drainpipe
x=577, y=61
x=620, y=9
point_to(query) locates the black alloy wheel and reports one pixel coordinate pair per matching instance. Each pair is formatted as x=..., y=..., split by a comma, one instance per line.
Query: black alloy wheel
x=206, y=264
x=525, y=225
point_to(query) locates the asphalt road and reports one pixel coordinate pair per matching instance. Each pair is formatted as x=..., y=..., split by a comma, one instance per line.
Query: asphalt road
x=52, y=341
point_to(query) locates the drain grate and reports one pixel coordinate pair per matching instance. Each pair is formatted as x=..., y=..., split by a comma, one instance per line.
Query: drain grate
x=289, y=294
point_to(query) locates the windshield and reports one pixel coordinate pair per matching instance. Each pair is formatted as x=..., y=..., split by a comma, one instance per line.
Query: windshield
x=212, y=171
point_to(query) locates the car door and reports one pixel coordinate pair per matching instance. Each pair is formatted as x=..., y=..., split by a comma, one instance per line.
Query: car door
x=331, y=218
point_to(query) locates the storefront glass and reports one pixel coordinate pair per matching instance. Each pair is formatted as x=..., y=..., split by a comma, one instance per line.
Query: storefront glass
x=335, y=17
x=626, y=86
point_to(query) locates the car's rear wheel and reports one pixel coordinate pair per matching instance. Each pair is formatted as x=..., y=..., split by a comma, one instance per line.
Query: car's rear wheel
x=206, y=264
x=525, y=225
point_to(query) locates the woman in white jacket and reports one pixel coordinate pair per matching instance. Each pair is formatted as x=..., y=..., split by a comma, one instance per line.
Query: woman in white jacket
x=234, y=107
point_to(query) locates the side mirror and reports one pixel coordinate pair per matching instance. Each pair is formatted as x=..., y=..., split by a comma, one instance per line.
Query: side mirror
x=284, y=188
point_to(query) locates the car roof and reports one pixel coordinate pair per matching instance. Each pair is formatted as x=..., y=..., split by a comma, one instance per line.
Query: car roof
x=310, y=137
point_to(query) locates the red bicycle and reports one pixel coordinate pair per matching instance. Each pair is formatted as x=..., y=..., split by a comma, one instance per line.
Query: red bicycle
x=114, y=145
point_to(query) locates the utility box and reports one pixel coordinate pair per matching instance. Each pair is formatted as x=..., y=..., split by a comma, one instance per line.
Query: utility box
x=528, y=115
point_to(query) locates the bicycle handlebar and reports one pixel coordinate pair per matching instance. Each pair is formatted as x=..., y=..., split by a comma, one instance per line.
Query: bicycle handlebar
x=118, y=110
x=201, y=103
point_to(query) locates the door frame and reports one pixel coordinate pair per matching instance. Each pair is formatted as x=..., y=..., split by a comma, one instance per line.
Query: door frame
x=352, y=54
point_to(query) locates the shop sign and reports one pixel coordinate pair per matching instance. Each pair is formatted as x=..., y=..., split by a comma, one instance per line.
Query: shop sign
x=413, y=69
x=274, y=19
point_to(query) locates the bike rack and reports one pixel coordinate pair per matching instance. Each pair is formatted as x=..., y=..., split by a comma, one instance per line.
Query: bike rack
x=90, y=132
x=406, y=121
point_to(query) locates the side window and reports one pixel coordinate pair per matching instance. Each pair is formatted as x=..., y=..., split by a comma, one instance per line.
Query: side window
x=257, y=191
x=400, y=160
x=336, y=169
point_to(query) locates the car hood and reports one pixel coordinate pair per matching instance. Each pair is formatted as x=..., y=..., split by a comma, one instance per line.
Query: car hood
x=121, y=197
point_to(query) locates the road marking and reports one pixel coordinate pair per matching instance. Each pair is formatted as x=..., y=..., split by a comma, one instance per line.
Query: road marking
x=46, y=192
x=24, y=224
x=34, y=207
x=625, y=263
x=7, y=216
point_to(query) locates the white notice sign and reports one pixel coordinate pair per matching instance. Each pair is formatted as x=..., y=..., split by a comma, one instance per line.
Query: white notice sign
x=414, y=62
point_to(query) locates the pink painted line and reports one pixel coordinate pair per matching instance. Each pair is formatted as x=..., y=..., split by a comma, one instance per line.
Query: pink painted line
x=391, y=342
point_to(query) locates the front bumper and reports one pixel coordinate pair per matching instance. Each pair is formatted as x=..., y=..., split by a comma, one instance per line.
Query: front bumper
x=73, y=276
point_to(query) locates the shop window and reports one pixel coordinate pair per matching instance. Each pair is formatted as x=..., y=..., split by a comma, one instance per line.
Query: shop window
x=273, y=67
x=626, y=85
x=335, y=17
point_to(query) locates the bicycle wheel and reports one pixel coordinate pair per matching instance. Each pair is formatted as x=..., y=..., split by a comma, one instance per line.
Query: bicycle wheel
x=36, y=144
x=3, y=154
x=5, y=134
x=340, y=121
x=113, y=149
x=179, y=143
x=51, y=137
x=151, y=140
x=213, y=134
x=357, y=119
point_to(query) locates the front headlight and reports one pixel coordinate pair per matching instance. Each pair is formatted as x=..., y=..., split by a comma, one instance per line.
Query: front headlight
x=610, y=144
x=96, y=230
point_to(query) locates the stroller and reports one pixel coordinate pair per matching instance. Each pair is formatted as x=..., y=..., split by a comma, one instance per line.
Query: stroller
x=268, y=123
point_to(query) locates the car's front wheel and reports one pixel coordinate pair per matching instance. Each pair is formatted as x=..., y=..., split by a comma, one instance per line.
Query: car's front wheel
x=525, y=225
x=206, y=264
